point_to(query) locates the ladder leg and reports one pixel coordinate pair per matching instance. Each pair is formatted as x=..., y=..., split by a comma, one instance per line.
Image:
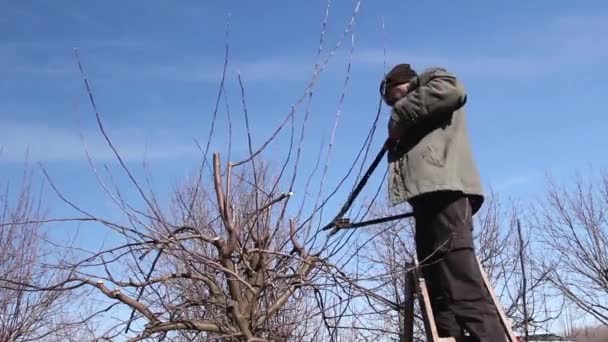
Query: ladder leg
x=425, y=306
x=429, y=318
x=408, y=319
x=503, y=318
x=427, y=312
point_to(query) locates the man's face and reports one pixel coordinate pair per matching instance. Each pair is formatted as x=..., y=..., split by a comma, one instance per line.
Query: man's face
x=395, y=93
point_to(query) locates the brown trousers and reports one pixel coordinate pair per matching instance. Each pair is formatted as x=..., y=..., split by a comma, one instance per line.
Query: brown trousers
x=446, y=253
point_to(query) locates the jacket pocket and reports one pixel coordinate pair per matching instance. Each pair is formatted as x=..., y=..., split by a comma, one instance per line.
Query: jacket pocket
x=432, y=155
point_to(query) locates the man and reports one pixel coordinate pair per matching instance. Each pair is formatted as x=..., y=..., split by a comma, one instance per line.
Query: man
x=432, y=168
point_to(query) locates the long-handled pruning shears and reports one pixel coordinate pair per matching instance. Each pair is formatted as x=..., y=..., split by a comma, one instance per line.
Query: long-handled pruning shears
x=341, y=222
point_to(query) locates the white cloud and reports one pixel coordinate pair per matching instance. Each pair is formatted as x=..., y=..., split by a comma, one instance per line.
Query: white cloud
x=516, y=180
x=471, y=64
x=573, y=41
x=534, y=49
x=68, y=44
x=275, y=69
x=191, y=68
x=271, y=69
x=44, y=143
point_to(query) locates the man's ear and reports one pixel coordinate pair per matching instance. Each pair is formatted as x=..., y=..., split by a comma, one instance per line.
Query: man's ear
x=382, y=89
x=385, y=96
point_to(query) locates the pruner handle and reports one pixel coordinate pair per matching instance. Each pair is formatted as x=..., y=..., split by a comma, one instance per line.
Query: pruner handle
x=337, y=224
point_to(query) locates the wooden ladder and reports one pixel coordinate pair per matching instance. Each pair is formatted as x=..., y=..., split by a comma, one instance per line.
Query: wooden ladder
x=417, y=284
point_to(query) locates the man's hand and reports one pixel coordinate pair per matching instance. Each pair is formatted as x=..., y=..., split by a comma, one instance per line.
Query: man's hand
x=390, y=144
x=394, y=134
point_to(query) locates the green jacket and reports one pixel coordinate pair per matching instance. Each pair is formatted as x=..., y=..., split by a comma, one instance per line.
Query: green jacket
x=434, y=152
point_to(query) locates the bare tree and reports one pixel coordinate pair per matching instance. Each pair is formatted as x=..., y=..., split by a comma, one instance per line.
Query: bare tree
x=516, y=269
x=230, y=259
x=26, y=315
x=385, y=257
x=574, y=223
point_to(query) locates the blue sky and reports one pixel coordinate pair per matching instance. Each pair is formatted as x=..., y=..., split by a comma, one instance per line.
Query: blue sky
x=534, y=74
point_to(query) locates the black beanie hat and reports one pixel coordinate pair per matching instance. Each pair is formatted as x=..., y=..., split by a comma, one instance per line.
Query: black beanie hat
x=400, y=73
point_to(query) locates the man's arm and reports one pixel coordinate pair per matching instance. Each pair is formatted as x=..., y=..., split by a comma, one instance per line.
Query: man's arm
x=435, y=91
